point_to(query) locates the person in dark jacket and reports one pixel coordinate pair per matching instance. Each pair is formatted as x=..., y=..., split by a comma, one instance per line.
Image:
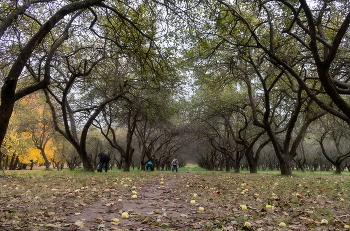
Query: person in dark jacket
x=104, y=160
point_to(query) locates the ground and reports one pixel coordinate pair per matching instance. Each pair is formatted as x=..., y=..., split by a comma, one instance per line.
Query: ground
x=158, y=206
x=172, y=201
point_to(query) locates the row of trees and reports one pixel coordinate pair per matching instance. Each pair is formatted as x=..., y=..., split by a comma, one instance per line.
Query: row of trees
x=153, y=76
x=34, y=140
x=98, y=65
x=266, y=72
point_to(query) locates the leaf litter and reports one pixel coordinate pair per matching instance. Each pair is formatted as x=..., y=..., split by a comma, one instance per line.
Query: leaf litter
x=169, y=201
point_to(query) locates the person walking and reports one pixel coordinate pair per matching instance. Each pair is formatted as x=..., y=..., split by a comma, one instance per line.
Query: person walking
x=174, y=165
x=104, y=160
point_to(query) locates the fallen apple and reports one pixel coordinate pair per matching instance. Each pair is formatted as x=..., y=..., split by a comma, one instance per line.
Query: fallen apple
x=125, y=215
x=282, y=224
x=247, y=224
x=115, y=220
x=324, y=221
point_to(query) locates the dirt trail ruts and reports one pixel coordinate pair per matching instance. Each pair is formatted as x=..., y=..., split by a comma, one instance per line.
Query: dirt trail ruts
x=158, y=206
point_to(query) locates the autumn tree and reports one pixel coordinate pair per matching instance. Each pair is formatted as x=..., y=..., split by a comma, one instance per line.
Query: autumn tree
x=18, y=148
x=17, y=56
x=30, y=132
x=36, y=120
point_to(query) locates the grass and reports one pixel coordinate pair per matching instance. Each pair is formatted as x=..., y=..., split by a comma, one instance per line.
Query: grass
x=27, y=198
x=191, y=168
x=188, y=168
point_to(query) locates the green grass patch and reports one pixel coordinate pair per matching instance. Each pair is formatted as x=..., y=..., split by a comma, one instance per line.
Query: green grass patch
x=191, y=168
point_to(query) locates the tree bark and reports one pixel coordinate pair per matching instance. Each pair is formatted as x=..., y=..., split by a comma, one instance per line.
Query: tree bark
x=12, y=162
x=128, y=161
x=338, y=169
x=47, y=162
x=15, y=163
x=286, y=166
x=31, y=164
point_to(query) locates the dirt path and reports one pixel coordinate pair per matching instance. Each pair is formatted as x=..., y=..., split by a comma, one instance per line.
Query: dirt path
x=159, y=206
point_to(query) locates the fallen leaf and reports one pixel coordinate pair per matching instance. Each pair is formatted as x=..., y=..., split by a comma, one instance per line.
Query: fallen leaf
x=101, y=226
x=53, y=225
x=80, y=223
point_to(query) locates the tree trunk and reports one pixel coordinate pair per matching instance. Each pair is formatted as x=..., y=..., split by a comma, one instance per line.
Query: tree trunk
x=253, y=168
x=236, y=166
x=128, y=161
x=119, y=163
x=338, y=169
x=47, y=162
x=228, y=164
x=6, y=162
x=221, y=165
x=13, y=167
x=6, y=106
x=87, y=163
x=286, y=166
x=31, y=164
x=12, y=162
x=1, y=160
x=237, y=162
x=142, y=165
x=126, y=166
x=252, y=162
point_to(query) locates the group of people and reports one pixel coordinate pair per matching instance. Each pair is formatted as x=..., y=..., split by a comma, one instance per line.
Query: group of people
x=105, y=158
x=174, y=166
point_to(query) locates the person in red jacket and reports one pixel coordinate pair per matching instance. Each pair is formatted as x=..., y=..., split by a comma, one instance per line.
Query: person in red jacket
x=104, y=160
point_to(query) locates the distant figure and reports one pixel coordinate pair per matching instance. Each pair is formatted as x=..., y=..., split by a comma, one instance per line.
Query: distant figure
x=174, y=165
x=104, y=160
x=149, y=166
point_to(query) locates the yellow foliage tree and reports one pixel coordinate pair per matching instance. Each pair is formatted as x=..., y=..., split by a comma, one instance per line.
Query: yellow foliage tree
x=30, y=132
x=15, y=146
